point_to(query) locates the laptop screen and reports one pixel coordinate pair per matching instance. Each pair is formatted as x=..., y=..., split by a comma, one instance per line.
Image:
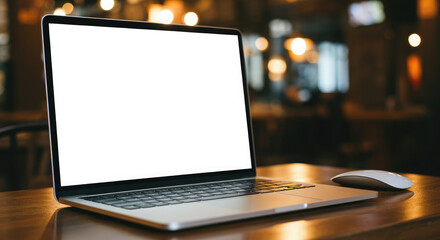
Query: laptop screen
x=141, y=103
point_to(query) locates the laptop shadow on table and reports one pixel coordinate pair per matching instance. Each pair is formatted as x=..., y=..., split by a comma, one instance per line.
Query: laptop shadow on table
x=72, y=223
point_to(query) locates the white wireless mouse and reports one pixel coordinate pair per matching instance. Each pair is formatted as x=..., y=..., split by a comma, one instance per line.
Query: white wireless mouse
x=376, y=179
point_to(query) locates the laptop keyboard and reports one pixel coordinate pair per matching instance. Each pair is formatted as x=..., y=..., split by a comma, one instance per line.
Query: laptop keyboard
x=193, y=193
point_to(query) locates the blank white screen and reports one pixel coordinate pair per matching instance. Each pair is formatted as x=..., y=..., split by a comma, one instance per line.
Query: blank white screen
x=133, y=104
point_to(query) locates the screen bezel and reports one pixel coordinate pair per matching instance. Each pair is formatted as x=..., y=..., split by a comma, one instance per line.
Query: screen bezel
x=61, y=191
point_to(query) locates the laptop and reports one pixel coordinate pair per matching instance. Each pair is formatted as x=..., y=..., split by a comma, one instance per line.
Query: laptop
x=150, y=123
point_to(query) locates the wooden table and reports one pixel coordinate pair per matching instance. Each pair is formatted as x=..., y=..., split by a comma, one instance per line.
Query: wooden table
x=412, y=214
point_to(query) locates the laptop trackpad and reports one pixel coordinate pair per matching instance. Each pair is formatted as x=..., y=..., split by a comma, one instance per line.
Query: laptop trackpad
x=278, y=202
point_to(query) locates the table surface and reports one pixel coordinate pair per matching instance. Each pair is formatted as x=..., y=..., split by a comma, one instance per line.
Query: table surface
x=408, y=214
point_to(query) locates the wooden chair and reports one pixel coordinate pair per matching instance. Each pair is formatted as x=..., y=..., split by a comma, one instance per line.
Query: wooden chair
x=19, y=173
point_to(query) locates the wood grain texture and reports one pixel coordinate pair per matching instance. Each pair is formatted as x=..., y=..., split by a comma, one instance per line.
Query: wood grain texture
x=411, y=214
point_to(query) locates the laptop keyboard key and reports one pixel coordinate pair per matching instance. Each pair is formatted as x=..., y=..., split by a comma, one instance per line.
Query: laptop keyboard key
x=123, y=204
x=172, y=202
x=145, y=205
x=113, y=202
x=189, y=200
x=158, y=204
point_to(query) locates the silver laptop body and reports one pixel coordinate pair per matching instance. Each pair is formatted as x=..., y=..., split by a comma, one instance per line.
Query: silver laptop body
x=144, y=109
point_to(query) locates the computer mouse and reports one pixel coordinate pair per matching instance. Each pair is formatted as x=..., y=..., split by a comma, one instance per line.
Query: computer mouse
x=373, y=179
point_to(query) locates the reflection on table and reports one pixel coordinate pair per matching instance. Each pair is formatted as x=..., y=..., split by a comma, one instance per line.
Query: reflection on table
x=409, y=214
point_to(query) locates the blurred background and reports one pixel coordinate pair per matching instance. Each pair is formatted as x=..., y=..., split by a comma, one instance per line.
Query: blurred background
x=342, y=83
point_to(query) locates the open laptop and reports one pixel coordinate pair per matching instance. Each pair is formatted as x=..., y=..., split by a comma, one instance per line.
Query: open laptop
x=150, y=123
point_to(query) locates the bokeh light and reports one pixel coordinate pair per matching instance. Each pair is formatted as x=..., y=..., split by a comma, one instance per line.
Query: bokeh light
x=414, y=68
x=107, y=5
x=298, y=46
x=277, y=65
x=60, y=12
x=261, y=44
x=154, y=12
x=133, y=1
x=68, y=8
x=191, y=18
x=166, y=16
x=414, y=40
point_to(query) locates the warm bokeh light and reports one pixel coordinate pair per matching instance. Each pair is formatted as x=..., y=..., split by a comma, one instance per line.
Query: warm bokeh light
x=298, y=46
x=107, y=5
x=427, y=9
x=60, y=12
x=287, y=43
x=68, y=8
x=277, y=65
x=414, y=40
x=191, y=18
x=261, y=43
x=154, y=12
x=133, y=1
x=414, y=68
x=301, y=49
x=166, y=16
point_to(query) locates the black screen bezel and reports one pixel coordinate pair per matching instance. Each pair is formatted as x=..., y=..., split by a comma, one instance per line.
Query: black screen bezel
x=138, y=183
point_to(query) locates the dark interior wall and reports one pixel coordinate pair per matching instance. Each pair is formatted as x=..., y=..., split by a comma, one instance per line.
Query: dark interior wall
x=368, y=65
x=430, y=85
x=26, y=71
x=429, y=93
x=378, y=54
